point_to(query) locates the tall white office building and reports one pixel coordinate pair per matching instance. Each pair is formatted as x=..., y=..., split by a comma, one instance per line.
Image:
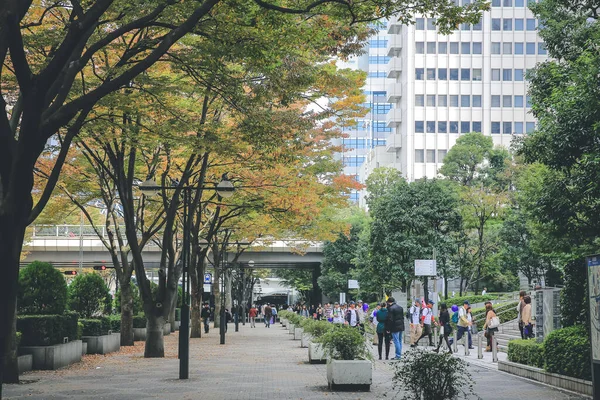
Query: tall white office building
x=427, y=89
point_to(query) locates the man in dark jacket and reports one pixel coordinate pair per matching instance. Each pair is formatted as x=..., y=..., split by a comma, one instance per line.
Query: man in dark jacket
x=395, y=325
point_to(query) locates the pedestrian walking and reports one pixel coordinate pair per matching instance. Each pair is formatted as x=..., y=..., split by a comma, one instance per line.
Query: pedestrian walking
x=427, y=319
x=338, y=314
x=463, y=324
x=373, y=319
x=253, y=313
x=526, y=317
x=414, y=317
x=488, y=326
x=351, y=316
x=520, y=306
x=205, y=315
x=446, y=328
x=274, y=313
x=395, y=325
x=268, y=315
x=383, y=335
x=304, y=312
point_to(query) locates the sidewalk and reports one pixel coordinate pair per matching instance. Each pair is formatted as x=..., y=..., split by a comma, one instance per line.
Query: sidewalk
x=255, y=363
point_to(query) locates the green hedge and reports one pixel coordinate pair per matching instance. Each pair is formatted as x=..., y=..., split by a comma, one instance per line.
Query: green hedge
x=567, y=352
x=506, y=312
x=528, y=352
x=115, y=323
x=139, y=321
x=19, y=336
x=178, y=314
x=42, y=290
x=47, y=330
x=96, y=326
x=459, y=301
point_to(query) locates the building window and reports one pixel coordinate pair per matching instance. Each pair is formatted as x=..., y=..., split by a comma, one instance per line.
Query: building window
x=419, y=74
x=465, y=27
x=519, y=3
x=495, y=128
x=507, y=3
x=465, y=47
x=528, y=101
x=381, y=127
x=453, y=126
x=431, y=47
x=431, y=24
x=420, y=47
x=465, y=100
x=377, y=74
x=419, y=100
x=442, y=100
x=465, y=74
x=442, y=48
x=519, y=101
x=441, y=155
x=477, y=26
x=529, y=127
x=507, y=128
x=442, y=127
x=378, y=43
x=496, y=24
x=353, y=161
x=519, y=75
x=431, y=74
x=476, y=74
x=496, y=3
x=379, y=59
x=381, y=108
x=519, y=48
x=430, y=100
x=531, y=24
x=419, y=127
x=476, y=126
x=542, y=49
x=507, y=101
x=476, y=100
x=453, y=74
x=420, y=24
x=518, y=127
x=530, y=48
x=495, y=100
x=519, y=24
x=507, y=48
x=453, y=100
x=507, y=74
x=442, y=74
x=430, y=127
x=476, y=47
x=496, y=47
x=453, y=47
x=430, y=156
x=495, y=74
x=507, y=24
x=419, y=155
x=465, y=126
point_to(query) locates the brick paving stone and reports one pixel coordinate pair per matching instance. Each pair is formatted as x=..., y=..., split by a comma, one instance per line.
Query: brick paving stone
x=257, y=363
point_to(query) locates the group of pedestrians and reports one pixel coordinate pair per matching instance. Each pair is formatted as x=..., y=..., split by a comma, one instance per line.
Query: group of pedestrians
x=268, y=311
x=524, y=316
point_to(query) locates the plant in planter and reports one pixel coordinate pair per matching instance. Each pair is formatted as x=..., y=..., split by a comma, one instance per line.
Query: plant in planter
x=431, y=376
x=349, y=364
x=316, y=330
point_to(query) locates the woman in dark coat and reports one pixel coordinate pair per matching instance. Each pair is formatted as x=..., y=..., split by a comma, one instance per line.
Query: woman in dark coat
x=382, y=332
x=444, y=321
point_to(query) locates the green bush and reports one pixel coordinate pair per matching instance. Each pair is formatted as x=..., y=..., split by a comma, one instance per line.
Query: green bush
x=115, y=323
x=79, y=330
x=294, y=318
x=345, y=343
x=96, y=326
x=137, y=301
x=139, y=321
x=431, y=376
x=47, y=330
x=42, y=290
x=178, y=314
x=528, y=352
x=88, y=295
x=19, y=337
x=459, y=301
x=506, y=312
x=317, y=329
x=567, y=352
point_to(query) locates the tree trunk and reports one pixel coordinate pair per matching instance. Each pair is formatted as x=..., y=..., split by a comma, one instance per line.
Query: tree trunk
x=126, y=315
x=155, y=343
x=228, y=294
x=172, y=315
x=460, y=289
x=11, y=366
x=445, y=287
x=196, y=326
x=217, y=294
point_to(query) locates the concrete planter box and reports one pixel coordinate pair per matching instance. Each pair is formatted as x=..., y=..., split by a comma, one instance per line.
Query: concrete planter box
x=298, y=333
x=83, y=348
x=54, y=357
x=167, y=329
x=177, y=325
x=291, y=328
x=350, y=374
x=284, y=322
x=316, y=354
x=25, y=363
x=538, y=374
x=139, y=334
x=305, y=339
x=102, y=344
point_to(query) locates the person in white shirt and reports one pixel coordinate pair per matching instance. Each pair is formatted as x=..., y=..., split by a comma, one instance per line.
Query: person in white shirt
x=414, y=315
x=484, y=291
x=338, y=314
x=427, y=319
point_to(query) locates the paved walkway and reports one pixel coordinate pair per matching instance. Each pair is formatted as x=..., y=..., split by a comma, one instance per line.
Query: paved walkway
x=255, y=363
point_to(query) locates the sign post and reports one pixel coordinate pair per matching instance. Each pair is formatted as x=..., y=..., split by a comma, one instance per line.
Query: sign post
x=428, y=268
x=593, y=273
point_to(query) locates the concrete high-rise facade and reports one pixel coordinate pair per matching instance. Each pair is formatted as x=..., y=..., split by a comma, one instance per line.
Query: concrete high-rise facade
x=427, y=89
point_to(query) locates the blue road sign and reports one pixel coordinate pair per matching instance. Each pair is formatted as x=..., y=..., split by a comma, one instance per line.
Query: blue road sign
x=207, y=278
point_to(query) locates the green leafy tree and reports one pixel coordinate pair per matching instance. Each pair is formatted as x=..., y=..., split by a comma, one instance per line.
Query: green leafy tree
x=464, y=161
x=88, y=295
x=42, y=289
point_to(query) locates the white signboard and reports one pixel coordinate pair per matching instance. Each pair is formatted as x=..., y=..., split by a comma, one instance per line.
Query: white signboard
x=425, y=268
x=353, y=284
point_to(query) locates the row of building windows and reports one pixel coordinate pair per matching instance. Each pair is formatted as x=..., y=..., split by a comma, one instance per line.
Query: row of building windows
x=379, y=59
x=441, y=100
x=453, y=74
x=510, y=101
x=508, y=74
x=519, y=48
x=422, y=24
x=378, y=108
x=428, y=156
x=354, y=161
x=510, y=3
x=377, y=74
x=447, y=127
x=442, y=47
x=378, y=43
x=362, y=143
x=510, y=127
x=516, y=24
x=378, y=126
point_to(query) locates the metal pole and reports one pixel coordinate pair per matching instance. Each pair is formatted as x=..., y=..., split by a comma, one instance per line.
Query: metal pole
x=455, y=342
x=466, y=343
x=184, y=331
x=81, y=242
x=479, y=351
x=223, y=319
x=494, y=349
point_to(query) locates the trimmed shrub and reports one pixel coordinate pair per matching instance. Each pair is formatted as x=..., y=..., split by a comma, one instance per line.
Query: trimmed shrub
x=95, y=327
x=345, y=343
x=79, y=330
x=19, y=336
x=88, y=295
x=178, y=314
x=42, y=290
x=459, y=301
x=139, y=321
x=528, y=352
x=294, y=318
x=47, y=330
x=115, y=323
x=567, y=352
x=318, y=328
x=506, y=312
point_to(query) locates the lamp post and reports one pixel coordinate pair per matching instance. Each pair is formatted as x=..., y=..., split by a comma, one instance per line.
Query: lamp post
x=224, y=189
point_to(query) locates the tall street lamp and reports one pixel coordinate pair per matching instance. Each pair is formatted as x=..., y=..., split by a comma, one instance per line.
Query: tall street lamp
x=224, y=189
